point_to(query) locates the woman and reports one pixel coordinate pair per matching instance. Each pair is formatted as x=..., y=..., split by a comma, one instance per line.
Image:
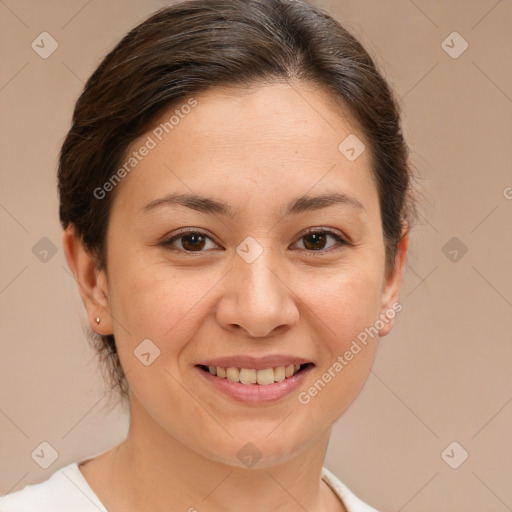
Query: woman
x=236, y=203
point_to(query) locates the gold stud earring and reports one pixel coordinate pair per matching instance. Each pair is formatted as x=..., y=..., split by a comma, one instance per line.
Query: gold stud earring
x=97, y=319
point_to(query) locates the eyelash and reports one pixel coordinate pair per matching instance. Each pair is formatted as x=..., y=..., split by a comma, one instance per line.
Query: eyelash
x=168, y=243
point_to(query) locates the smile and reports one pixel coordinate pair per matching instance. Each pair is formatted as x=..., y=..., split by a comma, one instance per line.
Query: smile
x=253, y=376
x=254, y=386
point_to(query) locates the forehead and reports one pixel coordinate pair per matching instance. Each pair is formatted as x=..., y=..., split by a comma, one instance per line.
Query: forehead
x=264, y=140
x=289, y=113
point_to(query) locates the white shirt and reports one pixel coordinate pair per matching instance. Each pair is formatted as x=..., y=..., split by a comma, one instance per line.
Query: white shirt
x=67, y=490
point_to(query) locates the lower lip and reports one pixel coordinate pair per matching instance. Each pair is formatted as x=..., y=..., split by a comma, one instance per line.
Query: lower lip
x=256, y=393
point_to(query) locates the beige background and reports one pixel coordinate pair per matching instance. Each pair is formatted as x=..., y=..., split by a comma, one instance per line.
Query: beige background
x=442, y=375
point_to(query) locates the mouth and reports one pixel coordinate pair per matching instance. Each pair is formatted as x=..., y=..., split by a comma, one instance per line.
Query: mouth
x=263, y=385
x=253, y=376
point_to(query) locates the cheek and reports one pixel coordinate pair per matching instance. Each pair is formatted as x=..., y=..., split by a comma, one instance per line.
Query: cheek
x=167, y=304
x=348, y=306
x=156, y=302
x=346, y=302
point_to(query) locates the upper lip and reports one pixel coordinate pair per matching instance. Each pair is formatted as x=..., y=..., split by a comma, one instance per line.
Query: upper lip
x=257, y=363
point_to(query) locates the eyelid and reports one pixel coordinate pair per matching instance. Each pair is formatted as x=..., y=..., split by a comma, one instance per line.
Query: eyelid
x=330, y=231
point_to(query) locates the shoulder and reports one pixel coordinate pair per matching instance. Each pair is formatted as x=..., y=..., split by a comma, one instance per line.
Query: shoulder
x=65, y=491
x=68, y=491
x=349, y=499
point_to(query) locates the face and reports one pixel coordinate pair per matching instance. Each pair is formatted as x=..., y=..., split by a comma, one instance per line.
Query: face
x=259, y=276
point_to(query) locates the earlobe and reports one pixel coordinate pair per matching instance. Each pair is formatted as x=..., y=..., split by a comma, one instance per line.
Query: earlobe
x=390, y=304
x=92, y=282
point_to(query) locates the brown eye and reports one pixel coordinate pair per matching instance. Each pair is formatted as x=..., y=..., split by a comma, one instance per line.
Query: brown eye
x=191, y=241
x=196, y=241
x=317, y=240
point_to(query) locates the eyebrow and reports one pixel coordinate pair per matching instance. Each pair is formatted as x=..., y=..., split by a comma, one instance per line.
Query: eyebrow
x=211, y=206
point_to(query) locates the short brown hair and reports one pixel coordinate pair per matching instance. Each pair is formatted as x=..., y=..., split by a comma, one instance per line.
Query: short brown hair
x=195, y=45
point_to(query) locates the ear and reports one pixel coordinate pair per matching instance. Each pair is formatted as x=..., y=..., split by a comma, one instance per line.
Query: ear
x=92, y=282
x=391, y=288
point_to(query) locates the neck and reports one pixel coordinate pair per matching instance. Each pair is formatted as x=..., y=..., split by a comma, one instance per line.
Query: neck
x=157, y=471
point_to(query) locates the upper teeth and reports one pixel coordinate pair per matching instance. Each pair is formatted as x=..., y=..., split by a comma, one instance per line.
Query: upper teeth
x=252, y=376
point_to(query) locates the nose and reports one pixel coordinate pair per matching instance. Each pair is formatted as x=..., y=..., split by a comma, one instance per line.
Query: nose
x=257, y=299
